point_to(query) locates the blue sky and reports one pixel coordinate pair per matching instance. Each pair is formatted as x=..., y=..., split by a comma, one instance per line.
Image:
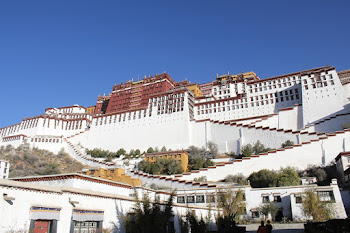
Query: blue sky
x=60, y=53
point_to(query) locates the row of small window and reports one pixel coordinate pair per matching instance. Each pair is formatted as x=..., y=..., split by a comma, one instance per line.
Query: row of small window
x=318, y=85
x=318, y=79
x=163, y=103
x=169, y=111
x=71, y=126
x=11, y=139
x=288, y=80
x=281, y=80
x=253, y=104
x=211, y=198
x=272, y=87
x=277, y=94
x=224, y=92
x=279, y=83
x=324, y=196
x=174, y=96
x=8, y=131
x=245, y=100
x=67, y=110
x=121, y=117
x=196, y=199
x=266, y=198
x=73, y=116
x=30, y=124
x=54, y=140
x=170, y=106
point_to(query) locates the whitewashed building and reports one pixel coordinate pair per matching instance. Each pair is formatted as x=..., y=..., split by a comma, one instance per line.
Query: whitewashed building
x=79, y=203
x=73, y=203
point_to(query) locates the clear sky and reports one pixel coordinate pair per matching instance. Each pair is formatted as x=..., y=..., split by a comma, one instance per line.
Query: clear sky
x=61, y=53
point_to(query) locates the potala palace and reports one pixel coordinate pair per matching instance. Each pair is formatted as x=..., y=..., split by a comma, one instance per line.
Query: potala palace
x=309, y=108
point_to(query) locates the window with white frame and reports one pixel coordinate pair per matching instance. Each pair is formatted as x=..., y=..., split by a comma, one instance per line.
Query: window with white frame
x=326, y=195
x=190, y=199
x=180, y=199
x=277, y=198
x=265, y=199
x=200, y=199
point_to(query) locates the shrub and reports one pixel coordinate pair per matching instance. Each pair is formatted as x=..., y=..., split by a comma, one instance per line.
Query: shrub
x=269, y=178
x=269, y=208
x=200, y=179
x=232, y=205
x=239, y=179
x=212, y=149
x=150, y=150
x=288, y=177
x=263, y=178
x=257, y=148
x=198, y=158
x=29, y=162
x=99, y=153
x=149, y=217
x=287, y=143
x=166, y=166
x=313, y=207
x=247, y=150
x=120, y=152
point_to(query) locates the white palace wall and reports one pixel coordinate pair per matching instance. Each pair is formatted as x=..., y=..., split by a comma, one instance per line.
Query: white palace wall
x=291, y=118
x=155, y=131
x=322, y=98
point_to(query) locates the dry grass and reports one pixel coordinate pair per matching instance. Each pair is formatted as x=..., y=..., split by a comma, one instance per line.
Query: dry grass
x=28, y=162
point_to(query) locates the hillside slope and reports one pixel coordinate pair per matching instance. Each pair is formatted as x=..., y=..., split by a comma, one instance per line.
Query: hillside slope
x=28, y=162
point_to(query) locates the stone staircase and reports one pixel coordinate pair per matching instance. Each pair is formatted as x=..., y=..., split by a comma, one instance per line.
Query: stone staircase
x=84, y=158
